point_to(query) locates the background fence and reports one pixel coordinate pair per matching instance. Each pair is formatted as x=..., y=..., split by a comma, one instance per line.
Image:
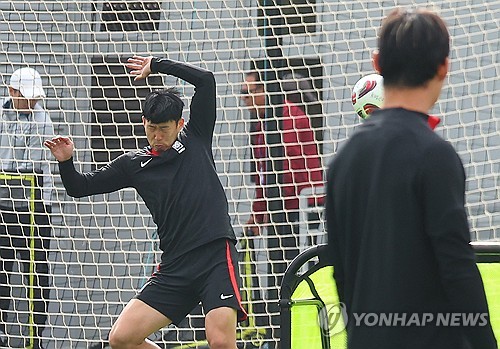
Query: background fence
x=104, y=247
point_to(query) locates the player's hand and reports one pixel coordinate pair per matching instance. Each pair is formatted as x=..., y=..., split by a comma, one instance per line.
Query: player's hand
x=61, y=147
x=140, y=66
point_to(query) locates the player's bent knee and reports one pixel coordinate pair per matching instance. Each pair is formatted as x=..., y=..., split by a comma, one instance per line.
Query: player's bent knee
x=220, y=326
x=221, y=338
x=115, y=342
x=221, y=342
x=120, y=340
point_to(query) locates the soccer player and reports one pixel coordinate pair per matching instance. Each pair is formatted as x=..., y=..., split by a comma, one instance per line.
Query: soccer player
x=175, y=176
x=398, y=233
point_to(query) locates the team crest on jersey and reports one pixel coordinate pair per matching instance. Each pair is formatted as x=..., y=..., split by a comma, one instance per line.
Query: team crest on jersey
x=178, y=147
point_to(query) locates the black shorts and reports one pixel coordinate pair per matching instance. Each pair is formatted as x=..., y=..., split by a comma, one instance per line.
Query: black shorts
x=208, y=274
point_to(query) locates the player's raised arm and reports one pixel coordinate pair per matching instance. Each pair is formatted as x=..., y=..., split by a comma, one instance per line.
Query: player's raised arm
x=139, y=66
x=203, y=103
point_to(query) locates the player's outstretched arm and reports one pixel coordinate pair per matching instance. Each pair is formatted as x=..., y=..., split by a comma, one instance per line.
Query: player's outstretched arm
x=142, y=66
x=203, y=104
x=104, y=180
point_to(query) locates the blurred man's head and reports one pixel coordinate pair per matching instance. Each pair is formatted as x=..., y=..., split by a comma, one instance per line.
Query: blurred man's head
x=412, y=46
x=26, y=89
x=252, y=93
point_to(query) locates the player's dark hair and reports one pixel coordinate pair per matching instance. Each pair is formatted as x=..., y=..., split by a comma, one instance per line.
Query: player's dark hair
x=412, y=45
x=163, y=105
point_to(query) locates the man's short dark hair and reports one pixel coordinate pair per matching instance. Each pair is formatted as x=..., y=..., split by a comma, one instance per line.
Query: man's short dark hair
x=163, y=105
x=412, y=45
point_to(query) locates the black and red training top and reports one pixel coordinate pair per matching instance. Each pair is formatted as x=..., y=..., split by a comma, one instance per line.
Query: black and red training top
x=180, y=186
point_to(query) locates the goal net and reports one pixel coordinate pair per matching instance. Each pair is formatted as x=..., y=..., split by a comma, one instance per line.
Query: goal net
x=104, y=247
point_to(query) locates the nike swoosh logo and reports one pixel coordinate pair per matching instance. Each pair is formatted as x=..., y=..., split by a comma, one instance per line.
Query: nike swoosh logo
x=223, y=296
x=144, y=163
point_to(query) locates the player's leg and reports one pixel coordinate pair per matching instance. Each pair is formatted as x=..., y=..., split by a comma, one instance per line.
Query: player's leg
x=220, y=295
x=165, y=298
x=220, y=328
x=136, y=322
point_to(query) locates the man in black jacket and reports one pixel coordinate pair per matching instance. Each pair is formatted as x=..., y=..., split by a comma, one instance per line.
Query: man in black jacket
x=397, y=228
x=175, y=176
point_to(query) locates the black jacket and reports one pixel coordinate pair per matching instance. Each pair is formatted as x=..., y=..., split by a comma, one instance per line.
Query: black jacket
x=399, y=238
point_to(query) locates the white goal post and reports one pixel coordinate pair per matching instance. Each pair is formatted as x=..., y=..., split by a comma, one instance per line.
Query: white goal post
x=105, y=247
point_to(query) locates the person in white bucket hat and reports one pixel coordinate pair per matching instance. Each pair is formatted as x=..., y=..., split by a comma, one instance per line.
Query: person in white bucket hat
x=24, y=126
